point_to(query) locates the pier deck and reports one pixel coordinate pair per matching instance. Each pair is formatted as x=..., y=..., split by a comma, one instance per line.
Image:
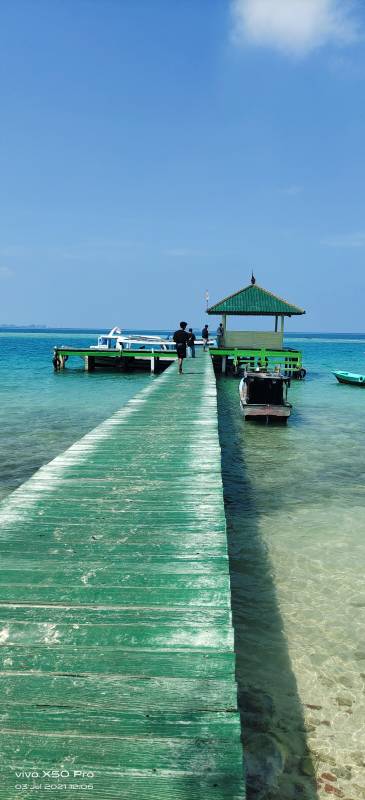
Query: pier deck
x=147, y=357
x=117, y=664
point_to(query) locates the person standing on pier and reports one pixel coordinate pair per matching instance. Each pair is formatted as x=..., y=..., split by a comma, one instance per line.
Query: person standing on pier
x=220, y=334
x=205, y=336
x=191, y=343
x=181, y=338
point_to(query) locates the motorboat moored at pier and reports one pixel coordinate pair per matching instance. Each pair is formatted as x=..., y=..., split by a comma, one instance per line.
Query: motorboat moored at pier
x=263, y=395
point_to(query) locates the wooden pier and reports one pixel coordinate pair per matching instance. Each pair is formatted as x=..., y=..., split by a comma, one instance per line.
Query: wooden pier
x=144, y=358
x=117, y=663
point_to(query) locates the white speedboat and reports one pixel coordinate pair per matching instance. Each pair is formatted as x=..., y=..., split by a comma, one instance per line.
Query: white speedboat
x=117, y=340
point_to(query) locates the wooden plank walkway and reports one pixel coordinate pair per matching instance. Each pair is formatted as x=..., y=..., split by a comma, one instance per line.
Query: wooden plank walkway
x=117, y=665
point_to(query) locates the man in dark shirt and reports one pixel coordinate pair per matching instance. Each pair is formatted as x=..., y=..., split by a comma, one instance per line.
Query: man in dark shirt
x=181, y=338
x=191, y=342
x=205, y=336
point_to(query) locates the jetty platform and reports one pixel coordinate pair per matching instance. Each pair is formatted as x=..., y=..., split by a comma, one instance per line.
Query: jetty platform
x=232, y=359
x=117, y=673
x=156, y=360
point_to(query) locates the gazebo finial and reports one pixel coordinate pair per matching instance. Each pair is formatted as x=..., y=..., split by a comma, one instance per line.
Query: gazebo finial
x=253, y=279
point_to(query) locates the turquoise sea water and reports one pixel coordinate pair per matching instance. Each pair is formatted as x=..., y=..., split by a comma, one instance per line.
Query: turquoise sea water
x=295, y=504
x=43, y=412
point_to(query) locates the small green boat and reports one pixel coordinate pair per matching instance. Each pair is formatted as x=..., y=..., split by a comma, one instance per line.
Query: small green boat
x=350, y=377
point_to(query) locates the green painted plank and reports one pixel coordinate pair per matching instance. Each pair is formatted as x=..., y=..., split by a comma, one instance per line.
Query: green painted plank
x=178, y=663
x=177, y=616
x=133, y=471
x=158, y=566
x=131, y=634
x=113, y=723
x=102, y=547
x=56, y=554
x=122, y=595
x=112, y=577
x=109, y=524
x=84, y=489
x=121, y=693
x=193, y=756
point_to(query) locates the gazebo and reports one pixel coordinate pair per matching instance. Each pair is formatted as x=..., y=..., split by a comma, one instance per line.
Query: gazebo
x=254, y=301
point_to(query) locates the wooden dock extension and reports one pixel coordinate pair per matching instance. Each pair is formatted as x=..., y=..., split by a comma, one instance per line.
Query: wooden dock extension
x=155, y=360
x=117, y=664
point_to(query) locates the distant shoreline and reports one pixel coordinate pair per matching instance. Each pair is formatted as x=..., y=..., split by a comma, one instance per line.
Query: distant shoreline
x=46, y=329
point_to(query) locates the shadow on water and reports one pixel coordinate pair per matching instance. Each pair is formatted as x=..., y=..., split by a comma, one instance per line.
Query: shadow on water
x=278, y=764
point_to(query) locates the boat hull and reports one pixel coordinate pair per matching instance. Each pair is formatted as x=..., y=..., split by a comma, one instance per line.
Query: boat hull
x=259, y=411
x=351, y=378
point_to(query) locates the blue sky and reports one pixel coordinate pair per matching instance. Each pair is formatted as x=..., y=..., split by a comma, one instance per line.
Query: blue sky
x=153, y=149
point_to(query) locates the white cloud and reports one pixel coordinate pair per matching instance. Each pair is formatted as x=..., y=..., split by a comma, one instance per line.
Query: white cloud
x=294, y=26
x=5, y=272
x=346, y=240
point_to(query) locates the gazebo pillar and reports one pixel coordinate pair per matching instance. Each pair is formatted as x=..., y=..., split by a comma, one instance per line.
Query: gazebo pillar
x=276, y=324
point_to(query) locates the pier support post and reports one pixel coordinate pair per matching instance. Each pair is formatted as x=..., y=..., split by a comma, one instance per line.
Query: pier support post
x=152, y=364
x=224, y=365
x=89, y=363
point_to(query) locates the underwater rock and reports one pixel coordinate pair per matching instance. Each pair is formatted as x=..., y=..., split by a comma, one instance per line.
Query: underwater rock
x=255, y=701
x=344, y=772
x=309, y=727
x=329, y=788
x=342, y=700
x=306, y=766
x=265, y=762
x=358, y=758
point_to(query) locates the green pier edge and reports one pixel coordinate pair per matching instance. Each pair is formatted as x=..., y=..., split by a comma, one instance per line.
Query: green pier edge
x=290, y=361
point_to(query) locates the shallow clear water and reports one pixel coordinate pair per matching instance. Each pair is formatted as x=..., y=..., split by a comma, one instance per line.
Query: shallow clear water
x=295, y=501
x=43, y=412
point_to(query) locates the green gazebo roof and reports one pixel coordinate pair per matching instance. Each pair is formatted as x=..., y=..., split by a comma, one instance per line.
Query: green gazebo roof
x=255, y=301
